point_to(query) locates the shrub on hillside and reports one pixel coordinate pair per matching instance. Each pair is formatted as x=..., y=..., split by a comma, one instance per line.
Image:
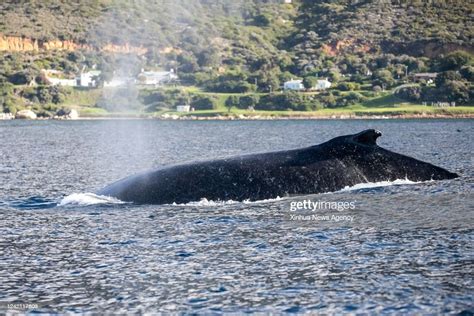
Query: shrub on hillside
x=204, y=102
x=467, y=73
x=248, y=101
x=455, y=60
x=410, y=93
x=281, y=102
x=46, y=94
x=348, y=86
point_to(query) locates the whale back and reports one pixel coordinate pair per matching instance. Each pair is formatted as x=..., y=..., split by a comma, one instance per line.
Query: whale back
x=338, y=163
x=360, y=157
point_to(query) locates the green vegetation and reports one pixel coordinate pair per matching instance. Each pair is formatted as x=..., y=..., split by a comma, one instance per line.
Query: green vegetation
x=235, y=55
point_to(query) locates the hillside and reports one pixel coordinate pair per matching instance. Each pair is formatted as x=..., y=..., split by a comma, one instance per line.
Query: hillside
x=388, y=26
x=241, y=46
x=304, y=28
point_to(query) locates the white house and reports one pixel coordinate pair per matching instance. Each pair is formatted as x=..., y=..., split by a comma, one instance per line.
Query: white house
x=156, y=77
x=183, y=108
x=62, y=82
x=88, y=79
x=293, y=85
x=54, y=78
x=323, y=84
x=84, y=79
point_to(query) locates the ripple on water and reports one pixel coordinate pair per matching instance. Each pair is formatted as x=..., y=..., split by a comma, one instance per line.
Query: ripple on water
x=408, y=250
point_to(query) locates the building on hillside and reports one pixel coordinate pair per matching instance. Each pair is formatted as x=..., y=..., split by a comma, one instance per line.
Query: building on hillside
x=56, y=78
x=295, y=85
x=428, y=77
x=156, y=78
x=88, y=79
x=183, y=108
x=84, y=79
x=322, y=84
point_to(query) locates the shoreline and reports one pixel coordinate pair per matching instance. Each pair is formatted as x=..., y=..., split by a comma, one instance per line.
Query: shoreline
x=234, y=117
x=315, y=117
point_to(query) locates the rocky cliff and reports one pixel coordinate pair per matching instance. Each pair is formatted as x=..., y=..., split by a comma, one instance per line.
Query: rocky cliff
x=21, y=44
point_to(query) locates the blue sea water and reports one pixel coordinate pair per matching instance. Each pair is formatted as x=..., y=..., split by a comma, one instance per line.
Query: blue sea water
x=408, y=248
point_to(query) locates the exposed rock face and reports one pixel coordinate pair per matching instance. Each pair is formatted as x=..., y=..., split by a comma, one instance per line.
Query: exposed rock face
x=25, y=114
x=63, y=45
x=337, y=47
x=17, y=44
x=20, y=44
x=124, y=49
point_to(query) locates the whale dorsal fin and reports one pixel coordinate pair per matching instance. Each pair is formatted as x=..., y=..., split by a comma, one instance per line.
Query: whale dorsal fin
x=367, y=137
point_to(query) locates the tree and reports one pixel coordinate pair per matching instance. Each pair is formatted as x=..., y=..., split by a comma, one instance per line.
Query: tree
x=204, y=103
x=455, y=60
x=330, y=101
x=310, y=82
x=231, y=102
x=248, y=101
x=57, y=94
x=348, y=86
x=188, y=63
x=334, y=76
x=383, y=77
x=22, y=77
x=411, y=93
x=455, y=91
x=467, y=72
x=268, y=80
x=263, y=19
x=354, y=98
x=6, y=95
x=446, y=76
x=208, y=57
x=290, y=100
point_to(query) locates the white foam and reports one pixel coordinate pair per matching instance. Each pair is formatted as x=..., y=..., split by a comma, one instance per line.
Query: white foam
x=369, y=185
x=263, y=201
x=359, y=186
x=206, y=202
x=84, y=199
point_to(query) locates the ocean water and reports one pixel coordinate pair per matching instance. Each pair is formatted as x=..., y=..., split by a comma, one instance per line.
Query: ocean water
x=400, y=247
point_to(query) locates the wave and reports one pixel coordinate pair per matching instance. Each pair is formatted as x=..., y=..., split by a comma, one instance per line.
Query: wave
x=29, y=203
x=206, y=202
x=371, y=185
x=85, y=199
x=359, y=186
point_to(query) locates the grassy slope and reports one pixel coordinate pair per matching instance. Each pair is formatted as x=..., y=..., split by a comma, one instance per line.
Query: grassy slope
x=353, y=111
x=82, y=98
x=385, y=104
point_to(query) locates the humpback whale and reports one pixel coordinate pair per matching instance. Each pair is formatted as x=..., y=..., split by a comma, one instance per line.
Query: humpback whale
x=328, y=167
